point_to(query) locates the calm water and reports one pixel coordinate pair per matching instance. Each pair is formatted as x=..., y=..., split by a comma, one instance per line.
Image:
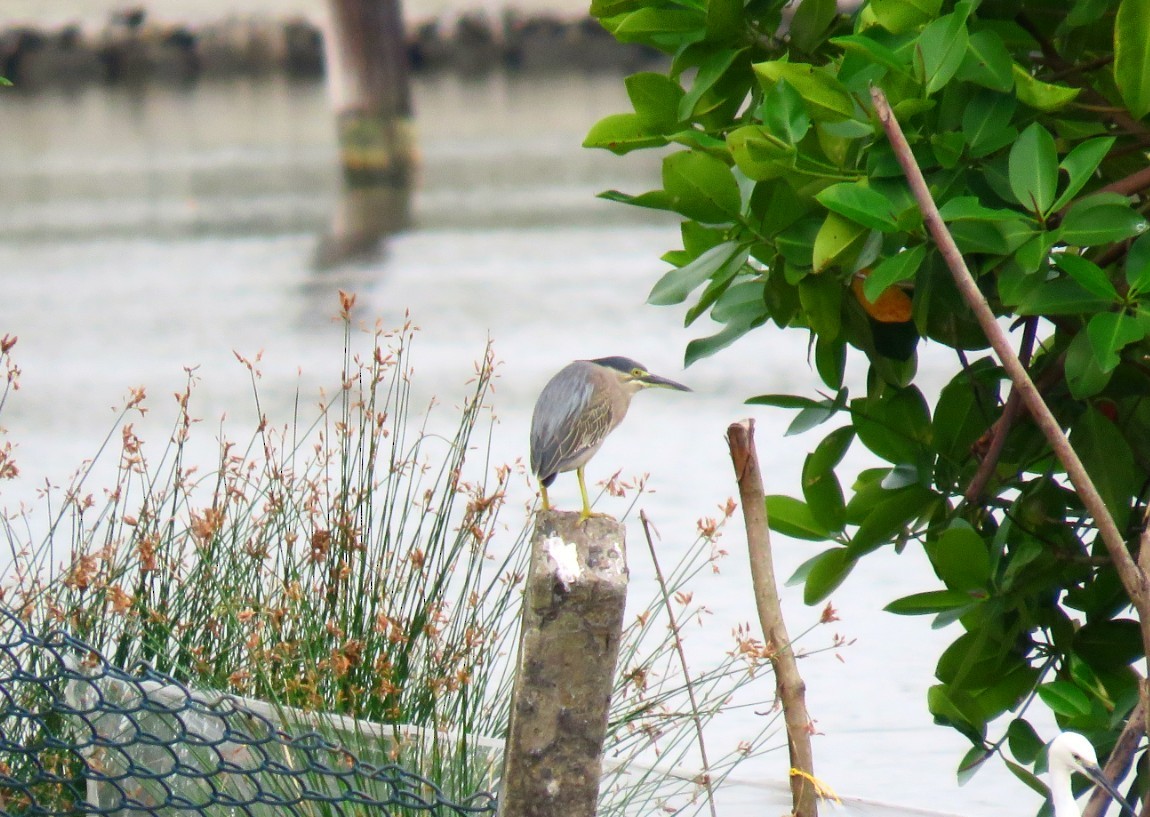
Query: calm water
x=144, y=233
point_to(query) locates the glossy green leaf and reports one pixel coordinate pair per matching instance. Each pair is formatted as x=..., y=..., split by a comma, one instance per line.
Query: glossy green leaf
x=960, y=558
x=677, y=284
x=860, y=204
x=1100, y=219
x=621, y=133
x=759, y=154
x=701, y=187
x=1108, y=460
x=651, y=25
x=784, y=113
x=872, y=50
x=700, y=348
x=942, y=48
x=1024, y=741
x=827, y=99
x=1138, y=265
x=1060, y=297
x=826, y=573
x=1088, y=274
x=831, y=361
x=1109, y=644
x=823, y=494
x=793, y=517
x=890, y=517
x=655, y=98
x=954, y=709
x=987, y=62
x=1132, y=55
x=725, y=20
x=1034, y=169
x=1032, y=781
x=821, y=299
x=895, y=426
x=969, y=208
x=1042, y=96
x=1065, y=698
x=1079, y=165
x=929, y=602
x=786, y=401
x=1110, y=333
x=830, y=452
x=710, y=72
x=810, y=23
x=1085, y=376
x=837, y=242
x=901, y=267
x=986, y=122
x=899, y=16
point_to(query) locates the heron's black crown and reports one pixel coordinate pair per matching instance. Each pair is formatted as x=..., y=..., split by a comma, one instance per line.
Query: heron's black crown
x=622, y=364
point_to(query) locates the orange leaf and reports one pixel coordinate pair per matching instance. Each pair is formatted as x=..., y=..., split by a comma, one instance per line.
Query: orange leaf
x=892, y=306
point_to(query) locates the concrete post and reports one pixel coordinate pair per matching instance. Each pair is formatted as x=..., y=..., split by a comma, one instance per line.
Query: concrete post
x=572, y=625
x=367, y=69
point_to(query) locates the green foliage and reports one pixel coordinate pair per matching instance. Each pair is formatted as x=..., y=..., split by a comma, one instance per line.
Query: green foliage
x=1029, y=120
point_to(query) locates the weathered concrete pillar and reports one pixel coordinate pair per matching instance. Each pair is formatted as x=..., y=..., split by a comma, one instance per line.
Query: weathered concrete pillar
x=367, y=69
x=572, y=624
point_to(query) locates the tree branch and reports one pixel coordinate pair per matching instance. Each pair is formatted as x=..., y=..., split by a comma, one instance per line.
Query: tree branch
x=1133, y=578
x=789, y=682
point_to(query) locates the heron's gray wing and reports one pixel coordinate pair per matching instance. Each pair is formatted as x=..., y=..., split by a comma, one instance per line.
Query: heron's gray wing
x=555, y=422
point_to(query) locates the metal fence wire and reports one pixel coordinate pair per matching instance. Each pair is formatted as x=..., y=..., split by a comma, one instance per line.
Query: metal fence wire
x=79, y=736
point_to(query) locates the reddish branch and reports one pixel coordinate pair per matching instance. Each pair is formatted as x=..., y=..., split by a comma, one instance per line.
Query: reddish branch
x=789, y=684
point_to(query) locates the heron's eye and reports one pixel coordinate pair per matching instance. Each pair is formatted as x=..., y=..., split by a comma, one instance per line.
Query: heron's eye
x=636, y=373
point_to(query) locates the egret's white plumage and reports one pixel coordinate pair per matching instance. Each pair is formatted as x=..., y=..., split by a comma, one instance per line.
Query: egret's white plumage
x=1069, y=753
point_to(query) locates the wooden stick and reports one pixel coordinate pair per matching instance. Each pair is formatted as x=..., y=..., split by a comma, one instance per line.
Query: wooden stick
x=789, y=683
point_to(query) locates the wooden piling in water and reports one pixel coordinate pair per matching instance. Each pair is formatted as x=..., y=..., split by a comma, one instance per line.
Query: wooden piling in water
x=569, y=644
x=367, y=75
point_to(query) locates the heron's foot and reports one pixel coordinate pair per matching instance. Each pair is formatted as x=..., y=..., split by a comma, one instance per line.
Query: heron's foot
x=587, y=514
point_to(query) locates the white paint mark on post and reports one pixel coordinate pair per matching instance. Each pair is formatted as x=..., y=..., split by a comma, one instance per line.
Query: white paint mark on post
x=564, y=560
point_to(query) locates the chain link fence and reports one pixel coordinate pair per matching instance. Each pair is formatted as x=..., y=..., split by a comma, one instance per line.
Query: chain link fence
x=79, y=736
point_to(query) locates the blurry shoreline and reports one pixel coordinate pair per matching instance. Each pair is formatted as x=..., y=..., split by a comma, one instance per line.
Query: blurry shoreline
x=130, y=48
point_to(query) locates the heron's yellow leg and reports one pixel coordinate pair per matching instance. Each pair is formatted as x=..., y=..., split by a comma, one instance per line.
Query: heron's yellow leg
x=543, y=494
x=583, y=517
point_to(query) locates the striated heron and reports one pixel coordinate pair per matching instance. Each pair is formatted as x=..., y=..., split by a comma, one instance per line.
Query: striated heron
x=576, y=411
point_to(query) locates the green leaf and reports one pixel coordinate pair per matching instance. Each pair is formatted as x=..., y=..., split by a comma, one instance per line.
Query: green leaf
x=786, y=401
x=810, y=22
x=895, y=426
x=701, y=187
x=1084, y=374
x=987, y=62
x=1024, y=741
x=1100, y=219
x=651, y=25
x=1108, y=460
x=1042, y=96
x=1060, y=297
x=655, y=98
x=1080, y=164
x=821, y=299
x=1110, y=333
x=677, y=284
x=838, y=241
x=899, y=16
x=901, y=267
x=653, y=199
x=969, y=208
x=1033, y=169
x=986, y=122
x=826, y=573
x=725, y=20
x=784, y=113
x=1028, y=777
x=823, y=494
x=942, y=46
x=871, y=50
x=860, y=204
x=1092, y=278
x=929, y=603
x=1132, y=55
x=793, y=517
x=1109, y=644
x=828, y=100
x=1138, y=265
x=955, y=709
x=760, y=154
x=1065, y=698
x=960, y=558
x=621, y=133
x=700, y=348
x=711, y=70
x=887, y=520
x=830, y=452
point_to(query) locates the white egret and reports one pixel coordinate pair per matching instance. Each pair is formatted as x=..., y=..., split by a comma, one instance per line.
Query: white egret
x=1071, y=752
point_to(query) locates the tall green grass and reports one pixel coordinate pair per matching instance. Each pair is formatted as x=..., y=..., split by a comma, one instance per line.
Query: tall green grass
x=352, y=561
